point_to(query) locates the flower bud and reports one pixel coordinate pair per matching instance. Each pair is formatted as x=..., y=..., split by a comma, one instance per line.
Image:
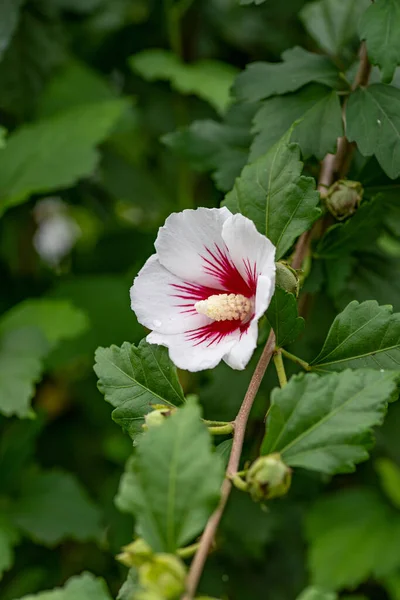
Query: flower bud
x=343, y=198
x=164, y=574
x=268, y=477
x=155, y=418
x=287, y=278
x=135, y=554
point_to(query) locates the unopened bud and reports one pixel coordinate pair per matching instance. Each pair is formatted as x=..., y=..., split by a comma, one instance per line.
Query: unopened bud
x=268, y=477
x=135, y=554
x=164, y=574
x=343, y=198
x=287, y=278
x=155, y=418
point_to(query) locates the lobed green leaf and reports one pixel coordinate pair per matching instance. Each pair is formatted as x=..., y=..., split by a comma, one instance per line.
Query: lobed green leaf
x=210, y=80
x=283, y=317
x=380, y=26
x=333, y=23
x=172, y=482
x=81, y=587
x=272, y=192
x=54, y=153
x=318, y=112
x=132, y=379
x=363, y=335
x=262, y=80
x=353, y=535
x=324, y=423
x=373, y=122
x=52, y=507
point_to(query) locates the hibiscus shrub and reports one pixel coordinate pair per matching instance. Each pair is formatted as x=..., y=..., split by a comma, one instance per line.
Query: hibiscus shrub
x=236, y=165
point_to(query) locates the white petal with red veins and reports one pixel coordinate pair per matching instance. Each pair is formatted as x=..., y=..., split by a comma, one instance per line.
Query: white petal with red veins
x=183, y=241
x=156, y=298
x=250, y=251
x=242, y=351
x=187, y=356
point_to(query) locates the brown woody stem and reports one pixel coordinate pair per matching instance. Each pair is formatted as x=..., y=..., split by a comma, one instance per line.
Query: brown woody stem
x=240, y=423
x=334, y=166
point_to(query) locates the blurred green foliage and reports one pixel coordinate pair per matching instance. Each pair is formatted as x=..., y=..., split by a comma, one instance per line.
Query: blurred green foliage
x=113, y=113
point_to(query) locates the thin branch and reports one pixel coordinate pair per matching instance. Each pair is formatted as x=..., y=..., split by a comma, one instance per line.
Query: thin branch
x=280, y=368
x=334, y=166
x=206, y=541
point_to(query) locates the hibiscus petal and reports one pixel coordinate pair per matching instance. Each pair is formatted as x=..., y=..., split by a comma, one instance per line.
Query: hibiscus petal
x=164, y=302
x=240, y=354
x=265, y=291
x=252, y=253
x=182, y=243
x=192, y=357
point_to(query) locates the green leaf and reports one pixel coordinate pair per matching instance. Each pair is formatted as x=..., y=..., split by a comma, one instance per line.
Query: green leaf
x=75, y=85
x=210, y=80
x=9, y=13
x=261, y=80
x=9, y=537
x=35, y=50
x=52, y=507
x=21, y=355
x=133, y=378
x=352, y=535
x=56, y=319
x=318, y=111
x=324, y=423
x=389, y=474
x=363, y=335
x=82, y=587
x=313, y=593
x=333, y=23
x=343, y=238
x=373, y=122
x=272, y=192
x=130, y=586
x=283, y=317
x=380, y=26
x=222, y=148
x=54, y=153
x=172, y=484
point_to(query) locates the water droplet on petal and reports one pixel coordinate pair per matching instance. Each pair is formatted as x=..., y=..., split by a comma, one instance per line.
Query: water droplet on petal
x=157, y=323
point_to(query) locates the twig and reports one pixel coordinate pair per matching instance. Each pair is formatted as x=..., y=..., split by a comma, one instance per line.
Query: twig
x=197, y=566
x=334, y=166
x=280, y=368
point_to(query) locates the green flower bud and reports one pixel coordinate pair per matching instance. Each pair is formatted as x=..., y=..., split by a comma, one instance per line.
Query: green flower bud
x=155, y=418
x=343, y=198
x=268, y=477
x=164, y=575
x=135, y=554
x=287, y=278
